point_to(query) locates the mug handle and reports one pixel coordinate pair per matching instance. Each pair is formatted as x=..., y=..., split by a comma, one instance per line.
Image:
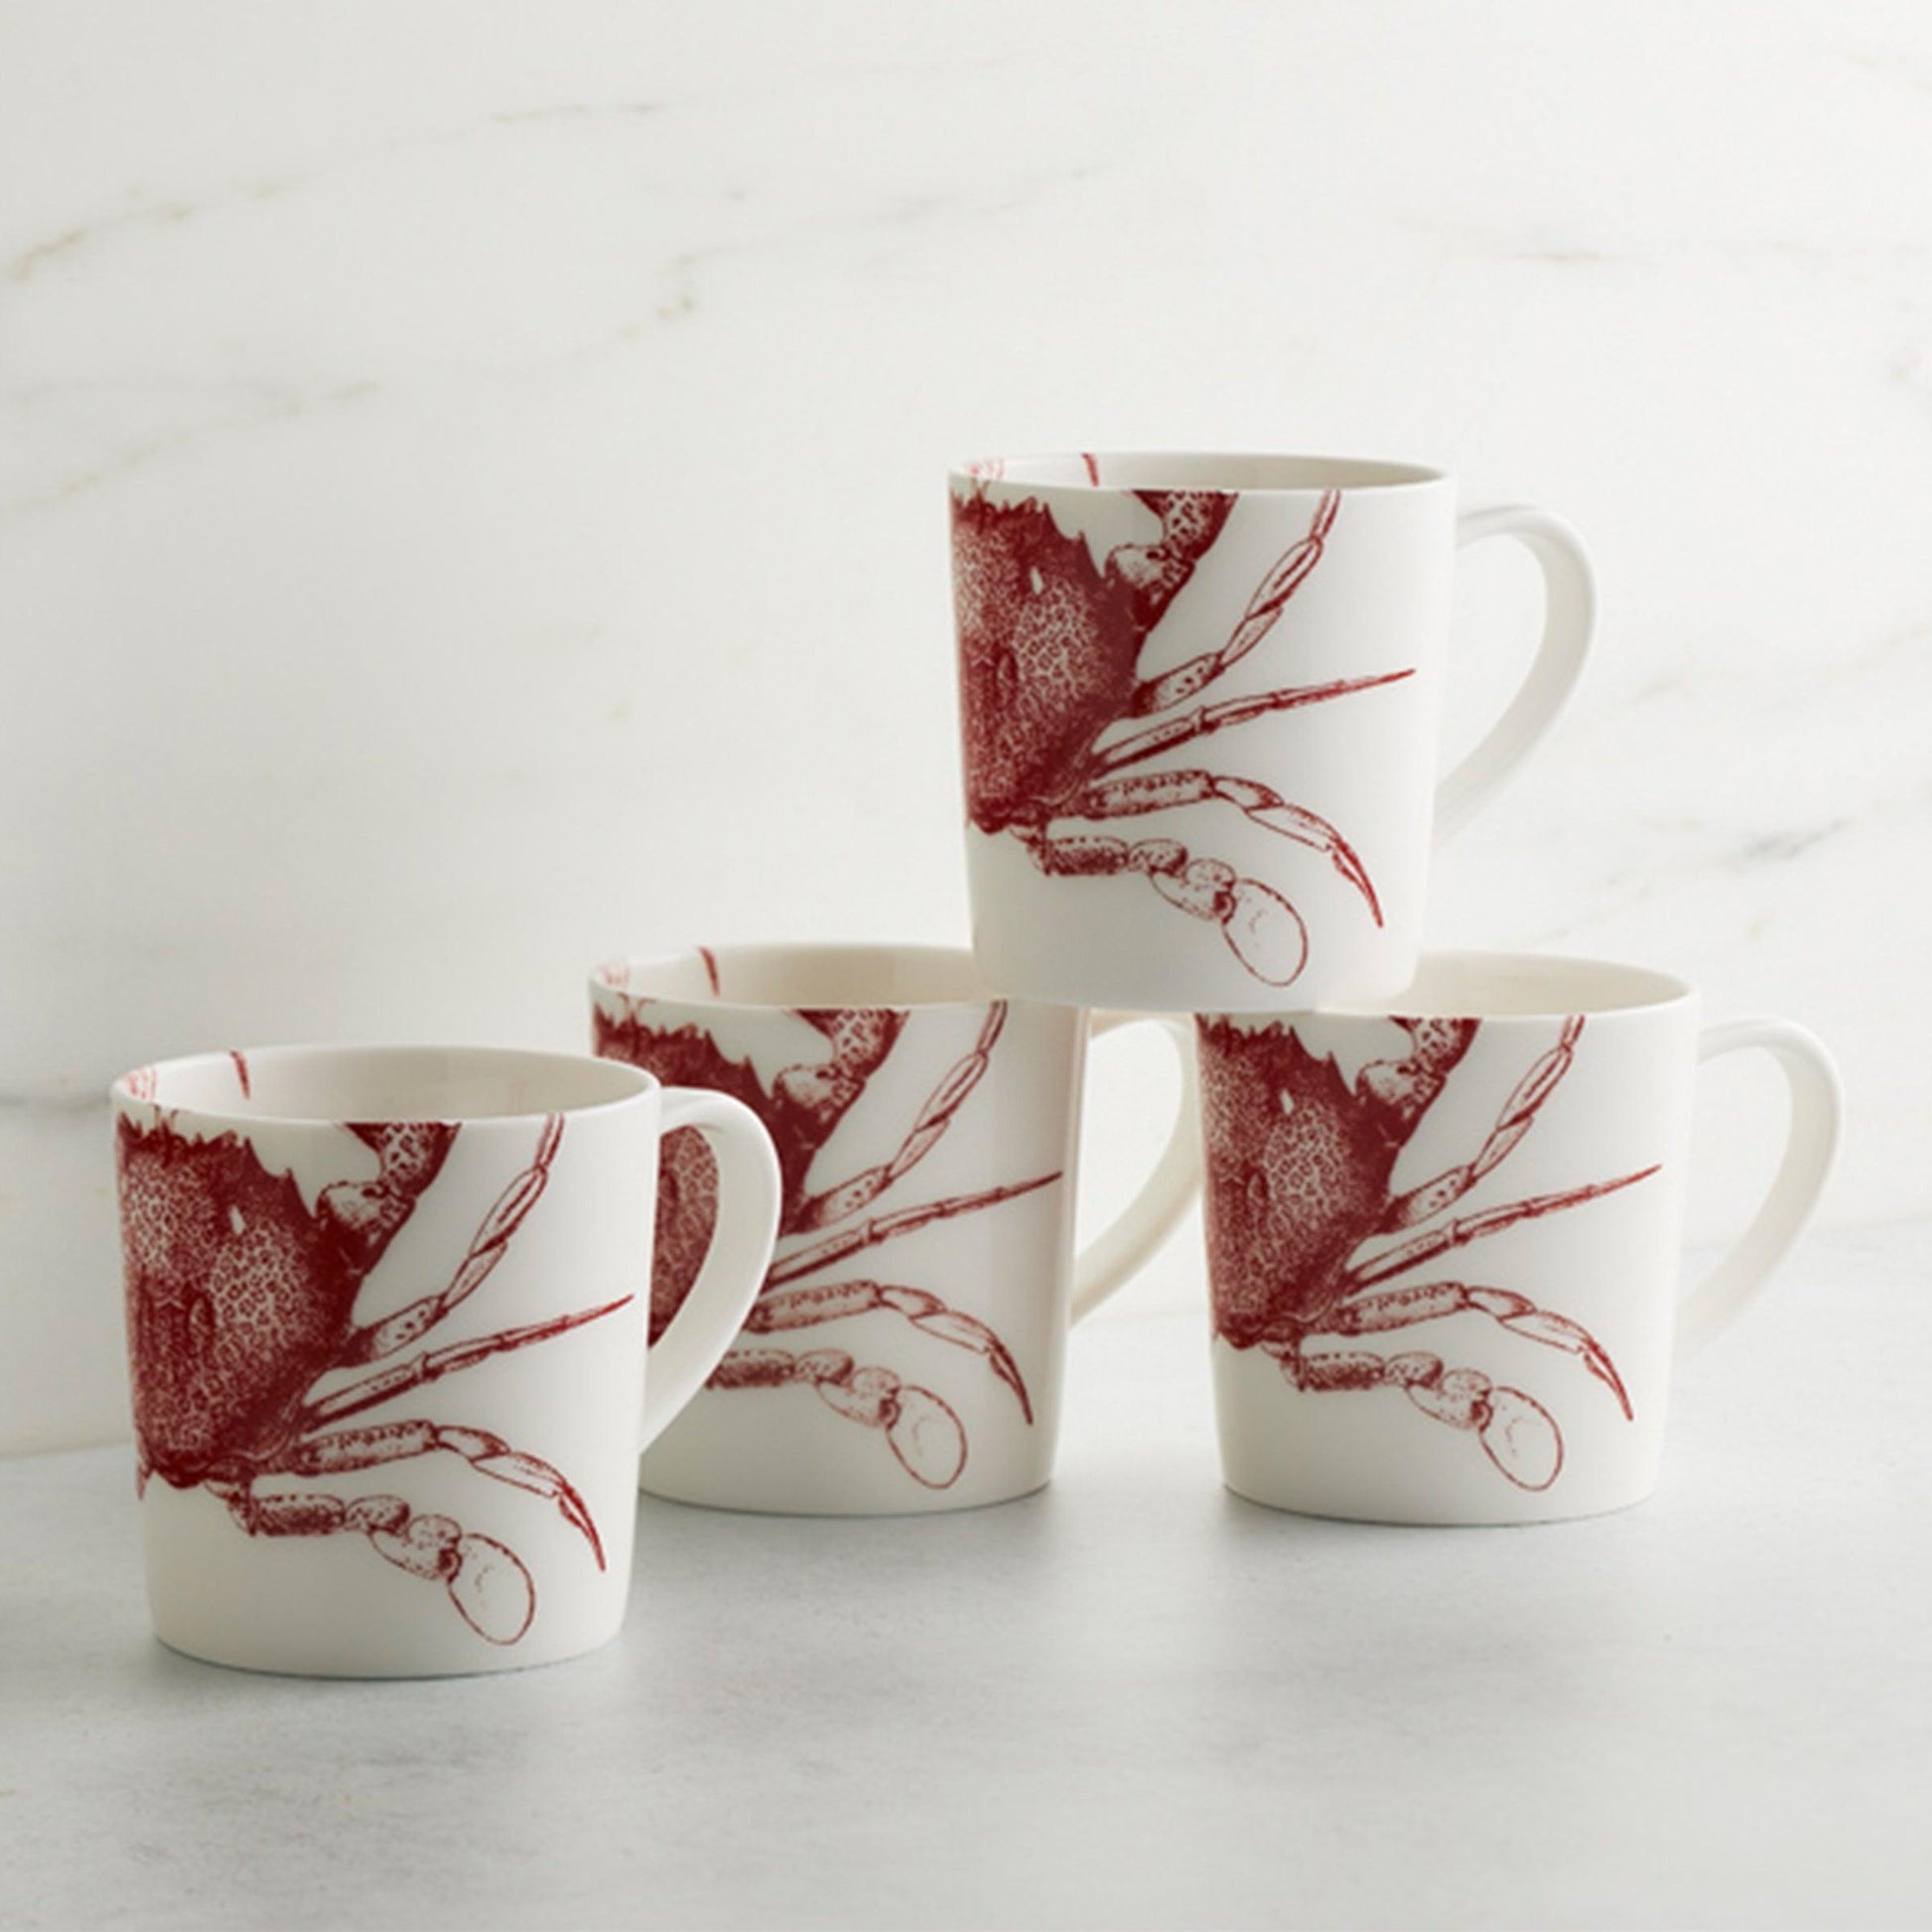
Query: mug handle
x=1164, y=1196
x=681, y=1359
x=1817, y=1114
x=1568, y=623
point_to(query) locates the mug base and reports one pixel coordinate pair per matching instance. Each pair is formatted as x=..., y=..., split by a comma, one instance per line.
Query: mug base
x=749, y=1504
x=264, y=1663
x=1397, y=1516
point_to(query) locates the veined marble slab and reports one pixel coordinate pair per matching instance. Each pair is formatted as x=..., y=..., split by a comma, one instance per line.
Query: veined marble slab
x=472, y=493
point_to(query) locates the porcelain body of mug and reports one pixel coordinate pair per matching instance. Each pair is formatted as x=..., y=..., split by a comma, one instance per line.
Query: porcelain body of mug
x=386, y=1322
x=1198, y=699
x=906, y=1352
x=1443, y=1246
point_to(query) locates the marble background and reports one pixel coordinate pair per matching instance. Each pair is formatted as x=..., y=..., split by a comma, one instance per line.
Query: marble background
x=471, y=499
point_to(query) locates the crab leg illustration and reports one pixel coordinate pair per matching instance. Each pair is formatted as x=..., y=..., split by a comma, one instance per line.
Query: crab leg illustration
x=1206, y=719
x=802, y=1308
x=486, y=1582
x=1459, y=1234
x=1158, y=790
x=487, y=1248
x=1291, y=571
x=1049, y=653
x=1518, y=1112
x=1401, y=1308
x=1517, y=1433
x=945, y=1100
x=886, y=1227
x=1266, y=932
x=924, y=1434
x=377, y=1444
x=433, y=1364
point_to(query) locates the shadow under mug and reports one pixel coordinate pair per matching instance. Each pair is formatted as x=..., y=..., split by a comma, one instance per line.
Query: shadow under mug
x=386, y=1325
x=1198, y=700
x=1444, y=1247
x=906, y=1352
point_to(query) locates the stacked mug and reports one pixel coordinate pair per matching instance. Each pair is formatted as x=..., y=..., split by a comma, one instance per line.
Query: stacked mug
x=802, y=1230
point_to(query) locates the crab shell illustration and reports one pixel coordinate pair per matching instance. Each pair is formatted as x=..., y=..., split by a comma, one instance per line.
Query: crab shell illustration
x=241, y=1298
x=1049, y=648
x=820, y=1229
x=1306, y=1238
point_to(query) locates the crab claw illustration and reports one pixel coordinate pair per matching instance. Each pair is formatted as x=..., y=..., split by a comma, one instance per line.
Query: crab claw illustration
x=934, y=1317
x=799, y=1308
x=1262, y=929
x=1397, y=1308
x=1521, y=1438
x=1265, y=932
x=1521, y=1316
x=1267, y=808
x=487, y=1583
x=492, y=1456
x=1518, y=1435
x=923, y=1433
x=492, y=1590
x=926, y=1437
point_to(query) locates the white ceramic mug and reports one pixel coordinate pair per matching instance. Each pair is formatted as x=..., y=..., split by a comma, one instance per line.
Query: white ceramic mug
x=386, y=1319
x=907, y=1351
x=1198, y=698
x=1444, y=1247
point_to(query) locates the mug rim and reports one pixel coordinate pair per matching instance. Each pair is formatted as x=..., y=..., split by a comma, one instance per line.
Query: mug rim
x=1300, y=474
x=1647, y=990
x=637, y=1085
x=864, y=955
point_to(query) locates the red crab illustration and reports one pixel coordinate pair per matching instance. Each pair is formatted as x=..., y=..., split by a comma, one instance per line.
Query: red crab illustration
x=1298, y=1172
x=804, y=1104
x=239, y=1299
x=1049, y=646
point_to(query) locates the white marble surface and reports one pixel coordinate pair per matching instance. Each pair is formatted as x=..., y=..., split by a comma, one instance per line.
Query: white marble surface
x=471, y=493
x=1130, y=1700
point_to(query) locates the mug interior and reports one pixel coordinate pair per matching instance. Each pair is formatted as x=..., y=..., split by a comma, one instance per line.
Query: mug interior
x=1503, y=985
x=1200, y=469
x=803, y=975
x=373, y=1084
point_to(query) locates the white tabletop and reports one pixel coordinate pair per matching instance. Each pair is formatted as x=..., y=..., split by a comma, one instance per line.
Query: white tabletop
x=1128, y=1701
